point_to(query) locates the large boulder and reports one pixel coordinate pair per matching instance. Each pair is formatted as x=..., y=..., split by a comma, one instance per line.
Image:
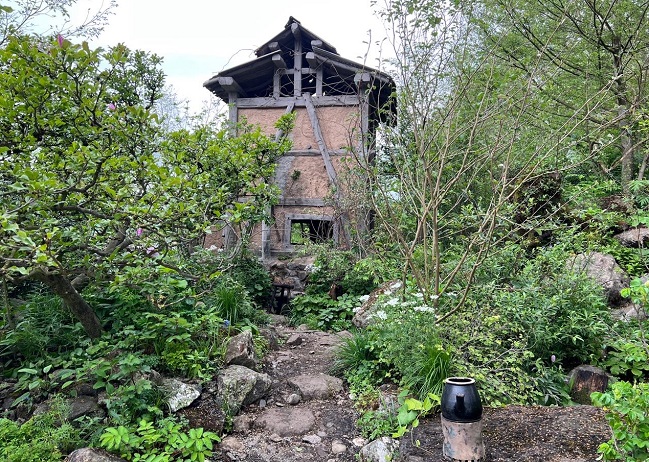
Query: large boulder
x=603, y=269
x=180, y=394
x=91, y=455
x=241, y=351
x=585, y=380
x=286, y=421
x=634, y=237
x=240, y=386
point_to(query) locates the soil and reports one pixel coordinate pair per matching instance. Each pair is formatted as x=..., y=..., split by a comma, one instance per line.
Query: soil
x=511, y=433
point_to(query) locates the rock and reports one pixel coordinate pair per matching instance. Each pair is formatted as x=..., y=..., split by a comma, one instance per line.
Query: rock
x=240, y=386
x=275, y=438
x=338, y=448
x=381, y=450
x=241, y=351
x=84, y=405
x=242, y=424
x=230, y=443
x=634, y=237
x=629, y=311
x=585, y=380
x=303, y=328
x=359, y=442
x=603, y=269
x=293, y=399
x=294, y=340
x=316, y=386
x=180, y=394
x=85, y=389
x=312, y=439
x=286, y=421
x=278, y=319
x=91, y=455
x=271, y=336
x=365, y=313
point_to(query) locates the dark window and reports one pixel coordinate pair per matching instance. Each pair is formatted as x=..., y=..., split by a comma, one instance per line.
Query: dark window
x=316, y=231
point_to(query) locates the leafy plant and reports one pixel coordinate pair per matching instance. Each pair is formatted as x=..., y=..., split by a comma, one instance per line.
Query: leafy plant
x=628, y=357
x=412, y=410
x=46, y=437
x=375, y=424
x=627, y=412
x=160, y=442
x=323, y=312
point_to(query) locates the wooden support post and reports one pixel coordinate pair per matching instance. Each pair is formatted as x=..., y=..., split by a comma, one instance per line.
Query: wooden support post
x=315, y=124
x=315, y=65
x=297, y=60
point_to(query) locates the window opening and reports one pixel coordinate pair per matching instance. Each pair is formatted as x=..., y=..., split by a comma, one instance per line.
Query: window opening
x=314, y=231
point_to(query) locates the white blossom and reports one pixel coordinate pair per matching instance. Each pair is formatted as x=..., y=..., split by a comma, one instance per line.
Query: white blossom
x=381, y=315
x=396, y=285
x=392, y=302
x=424, y=309
x=363, y=298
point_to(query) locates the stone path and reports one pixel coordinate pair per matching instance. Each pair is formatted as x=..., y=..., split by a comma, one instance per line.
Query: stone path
x=307, y=415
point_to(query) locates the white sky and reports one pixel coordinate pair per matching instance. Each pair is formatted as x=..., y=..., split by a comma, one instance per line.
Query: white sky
x=198, y=38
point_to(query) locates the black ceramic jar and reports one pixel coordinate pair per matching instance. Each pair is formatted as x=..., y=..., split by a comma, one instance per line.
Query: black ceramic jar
x=460, y=400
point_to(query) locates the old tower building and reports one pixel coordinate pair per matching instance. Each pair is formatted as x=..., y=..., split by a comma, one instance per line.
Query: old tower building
x=337, y=104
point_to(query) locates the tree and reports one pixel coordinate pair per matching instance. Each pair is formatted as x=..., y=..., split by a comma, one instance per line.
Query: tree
x=90, y=181
x=21, y=17
x=468, y=142
x=572, y=50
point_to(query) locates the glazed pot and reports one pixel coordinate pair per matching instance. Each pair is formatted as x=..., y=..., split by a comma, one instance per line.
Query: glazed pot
x=460, y=400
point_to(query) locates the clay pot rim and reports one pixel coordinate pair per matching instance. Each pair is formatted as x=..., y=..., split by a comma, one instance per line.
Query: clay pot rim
x=459, y=380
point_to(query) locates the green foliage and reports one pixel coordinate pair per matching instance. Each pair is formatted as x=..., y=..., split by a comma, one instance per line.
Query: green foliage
x=248, y=271
x=43, y=326
x=46, y=437
x=638, y=292
x=160, y=442
x=412, y=410
x=628, y=354
x=231, y=303
x=95, y=188
x=320, y=311
x=375, y=424
x=357, y=360
x=343, y=268
x=627, y=412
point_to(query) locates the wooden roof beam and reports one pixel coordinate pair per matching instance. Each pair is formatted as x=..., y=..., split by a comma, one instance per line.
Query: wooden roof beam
x=231, y=86
x=279, y=62
x=311, y=59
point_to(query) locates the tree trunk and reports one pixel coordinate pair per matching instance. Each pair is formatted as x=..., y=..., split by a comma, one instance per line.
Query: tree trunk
x=62, y=287
x=624, y=123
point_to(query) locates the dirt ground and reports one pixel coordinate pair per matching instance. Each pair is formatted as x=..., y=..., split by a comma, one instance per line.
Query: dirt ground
x=512, y=433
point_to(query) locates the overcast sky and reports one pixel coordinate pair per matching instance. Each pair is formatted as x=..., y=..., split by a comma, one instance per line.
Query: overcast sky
x=198, y=38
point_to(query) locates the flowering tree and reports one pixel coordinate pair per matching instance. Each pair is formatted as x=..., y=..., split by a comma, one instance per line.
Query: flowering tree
x=90, y=183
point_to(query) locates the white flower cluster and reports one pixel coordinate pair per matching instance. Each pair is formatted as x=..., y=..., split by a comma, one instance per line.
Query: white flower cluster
x=424, y=309
x=392, y=302
x=381, y=315
x=363, y=298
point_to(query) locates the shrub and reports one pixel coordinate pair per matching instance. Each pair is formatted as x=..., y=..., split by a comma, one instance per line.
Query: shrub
x=627, y=412
x=45, y=437
x=320, y=311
